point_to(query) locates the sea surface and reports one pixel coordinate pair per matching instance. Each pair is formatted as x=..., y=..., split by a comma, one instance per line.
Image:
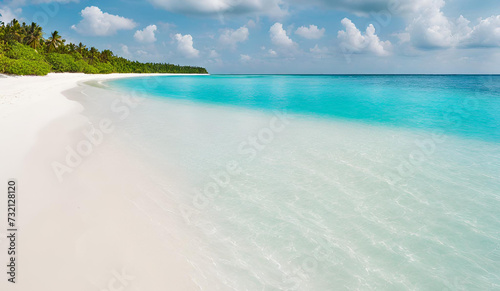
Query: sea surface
x=291, y=182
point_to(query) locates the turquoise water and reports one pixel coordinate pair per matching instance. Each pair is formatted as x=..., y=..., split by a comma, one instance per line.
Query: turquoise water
x=419, y=101
x=369, y=182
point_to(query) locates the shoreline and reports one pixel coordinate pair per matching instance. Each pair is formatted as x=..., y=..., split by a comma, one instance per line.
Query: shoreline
x=85, y=228
x=18, y=100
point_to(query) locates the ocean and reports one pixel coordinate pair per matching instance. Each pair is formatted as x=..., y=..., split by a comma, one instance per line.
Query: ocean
x=327, y=182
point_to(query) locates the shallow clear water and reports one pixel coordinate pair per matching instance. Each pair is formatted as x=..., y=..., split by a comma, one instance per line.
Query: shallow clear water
x=420, y=101
x=365, y=183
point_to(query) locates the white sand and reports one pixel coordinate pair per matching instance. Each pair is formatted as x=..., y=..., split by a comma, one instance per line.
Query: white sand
x=79, y=233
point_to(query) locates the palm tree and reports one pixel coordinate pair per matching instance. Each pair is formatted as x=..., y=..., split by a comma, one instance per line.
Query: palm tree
x=93, y=53
x=81, y=48
x=63, y=48
x=33, y=35
x=54, y=41
x=106, y=56
x=13, y=31
x=2, y=30
x=72, y=47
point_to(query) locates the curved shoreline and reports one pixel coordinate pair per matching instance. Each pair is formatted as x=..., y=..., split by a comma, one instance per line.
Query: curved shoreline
x=86, y=227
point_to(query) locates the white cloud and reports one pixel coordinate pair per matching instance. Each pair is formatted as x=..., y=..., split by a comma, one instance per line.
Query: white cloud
x=318, y=50
x=429, y=28
x=231, y=37
x=142, y=53
x=245, y=58
x=251, y=23
x=485, y=34
x=7, y=14
x=273, y=7
x=279, y=37
x=185, y=46
x=272, y=53
x=96, y=22
x=311, y=32
x=125, y=50
x=353, y=41
x=213, y=54
x=403, y=37
x=219, y=7
x=369, y=7
x=146, y=35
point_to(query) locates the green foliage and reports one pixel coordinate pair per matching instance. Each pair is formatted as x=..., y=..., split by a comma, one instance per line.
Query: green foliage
x=63, y=63
x=76, y=56
x=19, y=51
x=84, y=67
x=90, y=70
x=104, y=68
x=24, y=51
x=4, y=63
x=27, y=67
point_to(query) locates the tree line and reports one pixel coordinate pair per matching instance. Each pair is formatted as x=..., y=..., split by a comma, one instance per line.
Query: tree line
x=25, y=51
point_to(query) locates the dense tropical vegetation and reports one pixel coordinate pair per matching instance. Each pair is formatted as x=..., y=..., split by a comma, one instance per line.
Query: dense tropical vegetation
x=25, y=51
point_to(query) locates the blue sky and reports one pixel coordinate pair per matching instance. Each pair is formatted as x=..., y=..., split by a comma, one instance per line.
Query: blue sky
x=282, y=36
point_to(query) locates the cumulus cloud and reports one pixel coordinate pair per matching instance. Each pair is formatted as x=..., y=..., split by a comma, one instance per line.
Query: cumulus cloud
x=218, y=7
x=231, y=37
x=352, y=40
x=272, y=53
x=7, y=14
x=278, y=7
x=146, y=35
x=96, y=22
x=311, y=32
x=429, y=28
x=266, y=7
x=485, y=34
x=279, y=37
x=185, y=46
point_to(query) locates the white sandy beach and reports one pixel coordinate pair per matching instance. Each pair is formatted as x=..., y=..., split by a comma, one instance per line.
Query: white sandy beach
x=81, y=233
